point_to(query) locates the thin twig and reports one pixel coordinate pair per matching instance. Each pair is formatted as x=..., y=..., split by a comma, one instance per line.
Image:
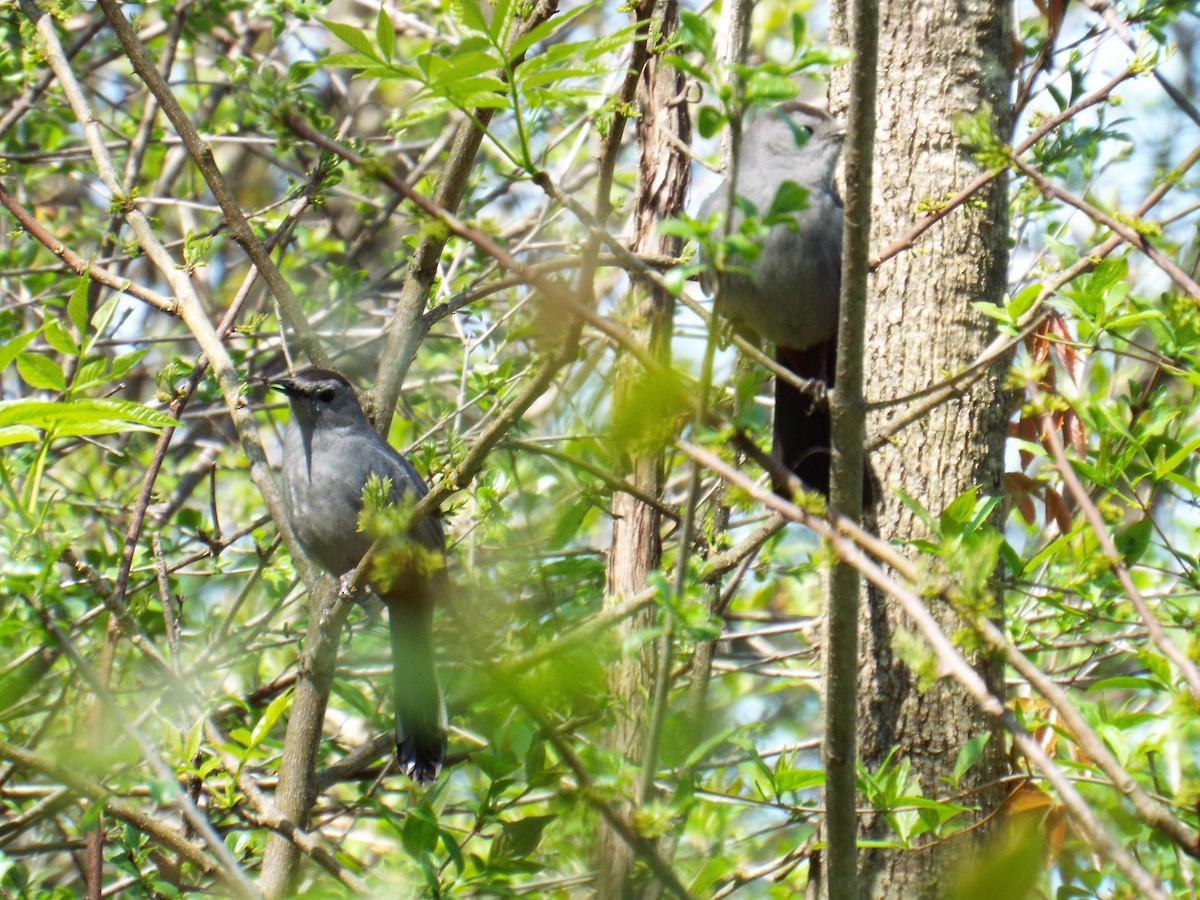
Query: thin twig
x=1161, y=639
x=839, y=533
x=202, y=155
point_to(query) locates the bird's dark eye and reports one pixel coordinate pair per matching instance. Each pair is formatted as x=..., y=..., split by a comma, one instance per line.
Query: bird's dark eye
x=325, y=395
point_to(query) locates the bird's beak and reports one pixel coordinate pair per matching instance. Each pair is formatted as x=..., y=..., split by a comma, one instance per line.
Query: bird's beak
x=284, y=386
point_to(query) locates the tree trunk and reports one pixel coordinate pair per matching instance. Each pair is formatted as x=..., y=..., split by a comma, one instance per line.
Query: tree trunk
x=663, y=127
x=938, y=61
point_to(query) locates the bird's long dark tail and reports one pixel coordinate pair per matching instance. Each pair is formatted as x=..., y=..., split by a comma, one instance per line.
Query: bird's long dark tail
x=420, y=715
x=803, y=432
x=802, y=427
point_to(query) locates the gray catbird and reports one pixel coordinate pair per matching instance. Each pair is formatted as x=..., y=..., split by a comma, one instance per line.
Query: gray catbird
x=789, y=295
x=330, y=450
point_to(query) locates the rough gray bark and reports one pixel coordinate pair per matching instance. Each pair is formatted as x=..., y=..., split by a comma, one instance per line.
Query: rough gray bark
x=847, y=419
x=636, y=549
x=937, y=61
x=635, y=552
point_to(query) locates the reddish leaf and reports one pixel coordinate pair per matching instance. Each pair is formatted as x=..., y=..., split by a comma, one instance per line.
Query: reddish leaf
x=1037, y=345
x=1027, y=430
x=1064, y=347
x=1056, y=510
x=1019, y=486
x=1026, y=798
x=1073, y=433
x=1056, y=830
x=1054, y=11
x=1035, y=708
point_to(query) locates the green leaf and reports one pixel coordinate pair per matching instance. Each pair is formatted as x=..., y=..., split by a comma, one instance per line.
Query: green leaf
x=943, y=809
x=799, y=29
x=463, y=74
x=41, y=372
x=920, y=511
x=420, y=833
x=12, y=348
x=1121, y=323
x=18, y=434
x=518, y=839
x=385, y=34
x=429, y=108
x=353, y=37
x=1024, y=300
x=683, y=227
x=102, y=316
x=993, y=310
x=957, y=511
x=610, y=42
x=1189, y=485
x=1126, y=683
x=969, y=754
x=78, y=417
x=468, y=14
x=799, y=779
x=264, y=725
x=710, y=120
x=192, y=743
x=546, y=29
x=701, y=751
x=349, y=61
x=769, y=87
x=59, y=338
x=789, y=199
x=688, y=67
x=502, y=18
x=301, y=70
x=484, y=93
x=125, y=362
x=697, y=32
x=450, y=844
x=552, y=76
x=89, y=375
x=77, y=306
x=1108, y=273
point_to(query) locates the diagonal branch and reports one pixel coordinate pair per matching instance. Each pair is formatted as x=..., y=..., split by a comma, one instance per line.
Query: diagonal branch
x=1127, y=233
x=844, y=539
x=202, y=155
x=1154, y=627
x=81, y=266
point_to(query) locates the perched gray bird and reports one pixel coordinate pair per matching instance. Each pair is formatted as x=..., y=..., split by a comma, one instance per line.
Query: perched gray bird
x=789, y=294
x=330, y=449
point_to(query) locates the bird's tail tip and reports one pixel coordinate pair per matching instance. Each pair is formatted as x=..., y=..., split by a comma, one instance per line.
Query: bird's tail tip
x=421, y=756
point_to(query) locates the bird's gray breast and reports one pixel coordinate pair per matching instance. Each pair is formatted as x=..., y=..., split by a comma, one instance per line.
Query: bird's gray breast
x=323, y=480
x=324, y=474
x=789, y=295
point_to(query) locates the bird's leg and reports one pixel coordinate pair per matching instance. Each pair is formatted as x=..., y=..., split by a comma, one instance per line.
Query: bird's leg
x=347, y=591
x=817, y=389
x=346, y=587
